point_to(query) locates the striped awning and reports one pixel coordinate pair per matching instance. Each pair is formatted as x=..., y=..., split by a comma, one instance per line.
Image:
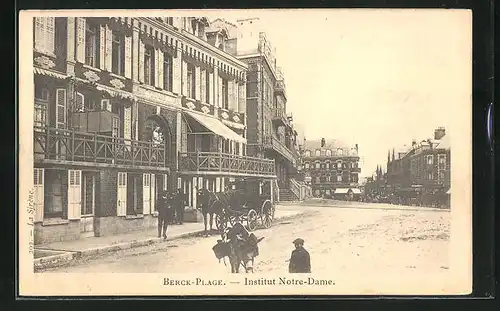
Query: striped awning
x=116, y=93
x=49, y=73
x=217, y=127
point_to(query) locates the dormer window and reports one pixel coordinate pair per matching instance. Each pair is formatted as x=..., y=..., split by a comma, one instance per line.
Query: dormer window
x=318, y=152
x=328, y=153
x=308, y=153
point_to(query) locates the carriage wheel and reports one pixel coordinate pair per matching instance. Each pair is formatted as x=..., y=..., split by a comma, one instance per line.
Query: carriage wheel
x=233, y=220
x=267, y=215
x=252, y=220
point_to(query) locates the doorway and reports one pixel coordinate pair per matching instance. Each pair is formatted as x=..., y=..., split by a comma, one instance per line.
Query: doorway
x=88, y=204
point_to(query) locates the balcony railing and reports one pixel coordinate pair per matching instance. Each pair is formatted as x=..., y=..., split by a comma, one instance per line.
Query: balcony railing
x=68, y=145
x=281, y=148
x=226, y=164
x=279, y=115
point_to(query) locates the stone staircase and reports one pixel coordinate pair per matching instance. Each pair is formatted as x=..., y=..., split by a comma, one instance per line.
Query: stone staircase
x=286, y=195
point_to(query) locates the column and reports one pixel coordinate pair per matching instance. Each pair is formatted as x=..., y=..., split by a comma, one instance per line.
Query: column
x=135, y=52
x=197, y=83
x=177, y=73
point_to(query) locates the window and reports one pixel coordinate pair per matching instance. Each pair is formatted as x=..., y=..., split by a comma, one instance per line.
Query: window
x=225, y=94
x=41, y=102
x=355, y=165
x=307, y=165
x=44, y=34
x=430, y=176
x=91, y=44
x=339, y=178
x=328, y=153
x=90, y=104
x=339, y=164
x=191, y=82
x=168, y=20
x=318, y=180
x=441, y=175
x=327, y=165
x=149, y=74
x=442, y=161
x=318, y=153
x=339, y=152
x=308, y=153
x=317, y=165
x=118, y=54
x=167, y=72
x=430, y=159
x=207, y=87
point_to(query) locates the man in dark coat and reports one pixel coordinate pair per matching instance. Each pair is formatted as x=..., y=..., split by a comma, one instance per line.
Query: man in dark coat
x=163, y=214
x=179, y=206
x=300, y=261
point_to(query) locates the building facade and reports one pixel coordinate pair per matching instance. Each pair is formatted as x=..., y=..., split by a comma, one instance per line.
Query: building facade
x=420, y=174
x=270, y=131
x=331, y=169
x=125, y=108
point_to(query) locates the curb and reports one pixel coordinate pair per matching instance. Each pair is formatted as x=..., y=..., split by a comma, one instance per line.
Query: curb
x=59, y=260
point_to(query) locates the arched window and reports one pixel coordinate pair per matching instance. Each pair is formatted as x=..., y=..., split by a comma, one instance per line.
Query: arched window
x=328, y=153
x=318, y=152
x=308, y=153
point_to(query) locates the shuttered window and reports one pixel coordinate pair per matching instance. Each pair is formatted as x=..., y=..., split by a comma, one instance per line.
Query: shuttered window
x=44, y=34
x=149, y=69
x=167, y=72
x=225, y=94
x=60, y=108
x=91, y=44
x=118, y=54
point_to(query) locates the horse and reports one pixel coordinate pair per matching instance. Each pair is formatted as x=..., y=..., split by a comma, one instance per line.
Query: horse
x=209, y=204
x=240, y=246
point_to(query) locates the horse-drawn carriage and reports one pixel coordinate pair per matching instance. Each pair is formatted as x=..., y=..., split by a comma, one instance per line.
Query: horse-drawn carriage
x=249, y=201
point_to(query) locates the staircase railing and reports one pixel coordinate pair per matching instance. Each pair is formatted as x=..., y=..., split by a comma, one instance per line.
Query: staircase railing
x=295, y=187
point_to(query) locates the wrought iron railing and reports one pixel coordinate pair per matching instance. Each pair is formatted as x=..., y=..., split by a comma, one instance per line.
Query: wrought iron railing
x=68, y=145
x=225, y=163
x=279, y=146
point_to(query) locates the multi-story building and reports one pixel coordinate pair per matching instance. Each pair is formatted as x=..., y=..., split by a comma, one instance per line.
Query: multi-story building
x=270, y=131
x=420, y=174
x=127, y=107
x=332, y=169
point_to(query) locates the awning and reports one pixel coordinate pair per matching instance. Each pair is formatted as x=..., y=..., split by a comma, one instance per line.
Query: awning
x=217, y=127
x=114, y=93
x=356, y=191
x=341, y=190
x=50, y=73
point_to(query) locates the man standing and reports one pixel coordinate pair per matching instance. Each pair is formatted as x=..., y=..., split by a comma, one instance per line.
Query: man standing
x=300, y=261
x=163, y=209
x=179, y=206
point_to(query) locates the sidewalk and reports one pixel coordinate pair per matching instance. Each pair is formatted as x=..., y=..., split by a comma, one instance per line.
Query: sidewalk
x=59, y=253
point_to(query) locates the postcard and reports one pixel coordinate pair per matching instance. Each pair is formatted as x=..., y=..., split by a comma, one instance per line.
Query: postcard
x=245, y=152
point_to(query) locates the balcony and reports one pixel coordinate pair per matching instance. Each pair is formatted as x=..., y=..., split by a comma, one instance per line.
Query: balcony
x=57, y=146
x=279, y=117
x=216, y=163
x=280, y=88
x=274, y=143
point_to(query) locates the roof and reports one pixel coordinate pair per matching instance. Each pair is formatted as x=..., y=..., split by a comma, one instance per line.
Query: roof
x=332, y=144
x=444, y=143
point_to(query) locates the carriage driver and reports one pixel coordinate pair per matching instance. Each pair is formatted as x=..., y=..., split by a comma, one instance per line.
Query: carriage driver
x=300, y=261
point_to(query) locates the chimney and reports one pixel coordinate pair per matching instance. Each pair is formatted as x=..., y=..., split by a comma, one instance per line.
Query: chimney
x=414, y=143
x=322, y=142
x=439, y=133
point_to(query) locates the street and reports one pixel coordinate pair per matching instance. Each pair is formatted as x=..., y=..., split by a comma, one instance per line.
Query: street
x=339, y=240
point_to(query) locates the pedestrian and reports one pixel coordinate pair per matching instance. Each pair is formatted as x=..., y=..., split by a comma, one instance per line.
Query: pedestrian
x=300, y=261
x=163, y=211
x=179, y=206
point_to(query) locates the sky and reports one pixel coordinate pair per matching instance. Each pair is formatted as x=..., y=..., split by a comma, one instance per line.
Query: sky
x=378, y=78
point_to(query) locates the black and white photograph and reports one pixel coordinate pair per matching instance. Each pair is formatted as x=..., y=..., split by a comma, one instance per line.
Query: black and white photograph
x=245, y=152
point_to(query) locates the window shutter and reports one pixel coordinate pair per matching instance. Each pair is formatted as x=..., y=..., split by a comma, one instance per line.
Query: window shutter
x=128, y=57
x=121, y=209
x=219, y=91
x=165, y=182
x=102, y=47
x=60, y=108
x=50, y=34
x=146, y=192
x=184, y=78
x=39, y=194
x=197, y=86
x=127, y=124
x=141, y=61
x=203, y=85
x=80, y=39
x=39, y=33
x=176, y=74
x=211, y=85
x=159, y=65
x=79, y=100
x=153, y=193
x=106, y=105
x=74, y=194
x=109, y=48
x=232, y=105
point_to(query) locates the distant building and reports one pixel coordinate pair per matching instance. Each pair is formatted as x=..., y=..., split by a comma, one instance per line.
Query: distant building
x=332, y=169
x=420, y=174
